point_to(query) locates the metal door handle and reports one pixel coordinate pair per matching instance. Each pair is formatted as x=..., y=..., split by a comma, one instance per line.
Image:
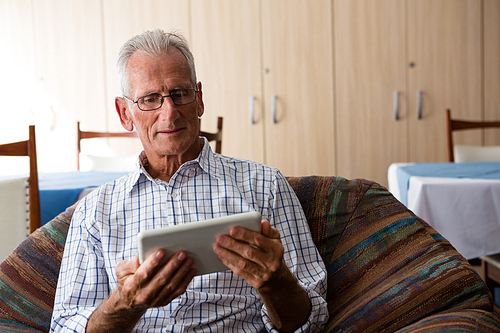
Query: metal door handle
x=419, y=106
x=273, y=107
x=252, y=105
x=396, y=105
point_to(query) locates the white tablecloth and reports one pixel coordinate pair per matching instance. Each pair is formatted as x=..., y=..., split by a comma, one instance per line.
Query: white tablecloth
x=465, y=211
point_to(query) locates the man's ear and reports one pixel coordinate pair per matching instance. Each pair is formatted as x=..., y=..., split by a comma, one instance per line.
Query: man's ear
x=201, y=106
x=124, y=113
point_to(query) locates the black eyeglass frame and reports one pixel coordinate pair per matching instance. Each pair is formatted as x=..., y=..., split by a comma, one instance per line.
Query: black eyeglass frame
x=163, y=98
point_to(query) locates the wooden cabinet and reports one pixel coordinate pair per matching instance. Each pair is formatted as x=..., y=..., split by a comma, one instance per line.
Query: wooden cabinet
x=414, y=59
x=311, y=87
x=278, y=57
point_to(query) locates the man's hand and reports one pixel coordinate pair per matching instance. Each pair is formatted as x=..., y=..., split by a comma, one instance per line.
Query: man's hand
x=141, y=287
x=258, y=258
x=148, y=285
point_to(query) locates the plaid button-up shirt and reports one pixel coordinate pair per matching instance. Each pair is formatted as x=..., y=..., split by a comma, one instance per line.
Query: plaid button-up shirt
x=105, y=225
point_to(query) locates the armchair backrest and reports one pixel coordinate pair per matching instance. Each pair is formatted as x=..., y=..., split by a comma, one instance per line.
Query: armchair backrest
x=386, y=267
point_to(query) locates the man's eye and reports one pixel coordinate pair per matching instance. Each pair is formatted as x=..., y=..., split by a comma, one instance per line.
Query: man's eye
x=179, y=93
x=151, y=99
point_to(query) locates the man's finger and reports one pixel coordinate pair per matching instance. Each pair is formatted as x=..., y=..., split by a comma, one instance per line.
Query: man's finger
x=269, y=231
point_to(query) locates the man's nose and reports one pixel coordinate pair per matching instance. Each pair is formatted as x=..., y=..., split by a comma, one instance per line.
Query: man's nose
x=169, y=109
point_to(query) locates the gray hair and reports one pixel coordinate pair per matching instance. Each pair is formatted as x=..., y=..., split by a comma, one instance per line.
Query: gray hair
x=154, y=43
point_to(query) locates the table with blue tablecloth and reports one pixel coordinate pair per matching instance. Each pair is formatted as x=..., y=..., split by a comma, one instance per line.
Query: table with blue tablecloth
x=60, y=190
x=460, y=200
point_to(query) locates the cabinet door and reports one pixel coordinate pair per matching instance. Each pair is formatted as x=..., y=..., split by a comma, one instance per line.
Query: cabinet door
x=492, y=68
x=297, y=57
x=370, y=87
x=444, y=44
x=226, y=48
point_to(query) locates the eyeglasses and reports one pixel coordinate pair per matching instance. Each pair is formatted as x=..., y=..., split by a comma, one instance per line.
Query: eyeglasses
x=155, y=101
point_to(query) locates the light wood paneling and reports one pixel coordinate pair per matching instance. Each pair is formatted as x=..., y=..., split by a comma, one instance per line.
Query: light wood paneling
x=370, y=69
x=67, y=51
x=235, y=64
x=445, y=46
x=16, y=38
x=69, y=68
x=69, y=54
x=226, y=46
x=18, y=88
x=298, y=54
x=124, y=19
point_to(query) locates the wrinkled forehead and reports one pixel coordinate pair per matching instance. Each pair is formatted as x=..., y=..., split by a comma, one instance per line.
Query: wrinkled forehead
x=158, y=73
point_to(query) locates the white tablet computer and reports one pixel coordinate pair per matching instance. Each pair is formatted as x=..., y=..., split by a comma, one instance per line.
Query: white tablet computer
x=196, y=238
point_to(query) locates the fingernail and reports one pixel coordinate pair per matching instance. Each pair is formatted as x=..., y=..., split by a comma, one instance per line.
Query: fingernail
x=181, y=256
x=160, y=254
x=189, y=262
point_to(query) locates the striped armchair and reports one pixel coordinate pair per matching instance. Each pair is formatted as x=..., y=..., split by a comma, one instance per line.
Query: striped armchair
x=388, y=271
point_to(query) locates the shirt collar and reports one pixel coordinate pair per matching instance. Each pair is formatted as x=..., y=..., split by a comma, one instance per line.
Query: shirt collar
x=207, y=160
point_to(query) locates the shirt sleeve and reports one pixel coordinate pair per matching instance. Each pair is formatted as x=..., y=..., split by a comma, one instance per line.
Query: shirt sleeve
x=301, y=255
x=82, y=283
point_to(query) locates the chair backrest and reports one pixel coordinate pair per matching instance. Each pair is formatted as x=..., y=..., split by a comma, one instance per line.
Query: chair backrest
x=460, y=153
x=81, y=135
x=14, y=214
x=28, y=148
x=217, y=136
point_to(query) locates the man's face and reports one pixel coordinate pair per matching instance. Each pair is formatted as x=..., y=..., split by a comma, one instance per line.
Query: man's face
x=169, y=130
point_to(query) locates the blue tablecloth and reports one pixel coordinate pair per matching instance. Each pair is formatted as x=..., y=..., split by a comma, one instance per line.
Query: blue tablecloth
x=480, y=170
x=60, y=190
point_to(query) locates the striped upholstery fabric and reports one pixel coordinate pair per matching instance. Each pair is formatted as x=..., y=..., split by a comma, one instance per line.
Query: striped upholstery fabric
x=460, y=320
x=11, y=326
x=388, y=271
x=28, y=278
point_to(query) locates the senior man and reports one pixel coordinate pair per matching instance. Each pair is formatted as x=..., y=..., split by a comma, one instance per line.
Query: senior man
x=275, y=281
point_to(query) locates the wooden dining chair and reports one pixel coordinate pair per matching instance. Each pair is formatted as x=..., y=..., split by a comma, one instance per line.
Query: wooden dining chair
x=215, y=136
x=28, y=148
x=469, y=153
x=82, y=135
